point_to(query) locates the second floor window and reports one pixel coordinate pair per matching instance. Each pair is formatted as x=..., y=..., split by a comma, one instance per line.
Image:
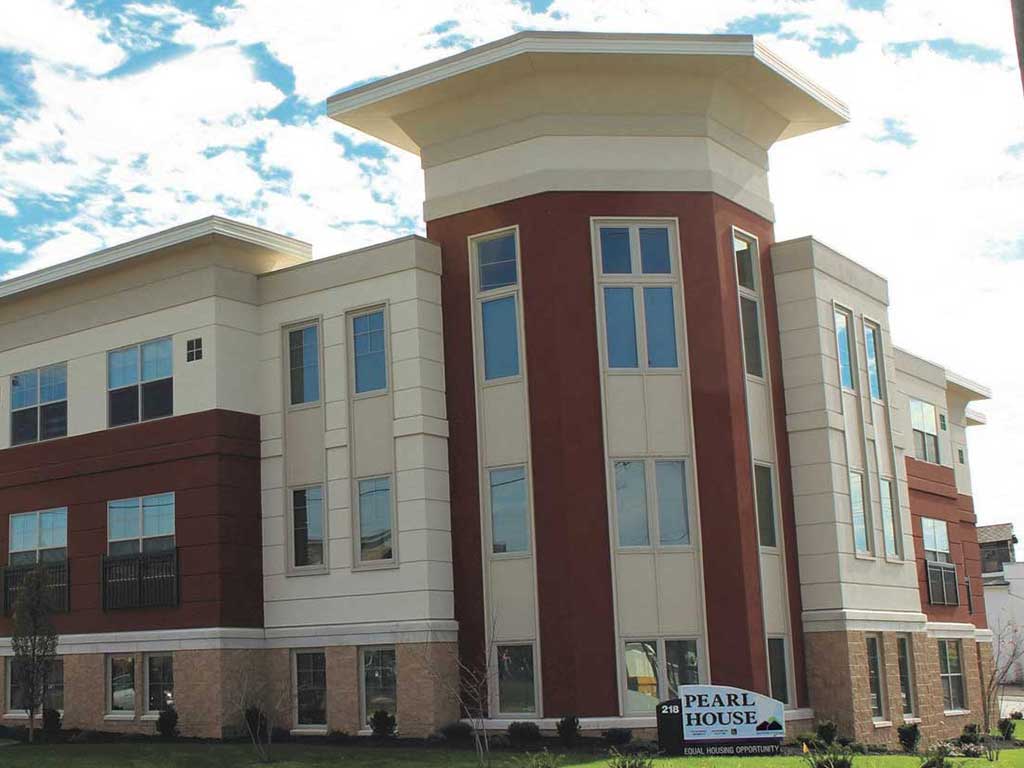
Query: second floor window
x=375, y=529
x=308, y=525
x=38, y=537
x=923, y=423
x=142, y=525
x=304, y=365
x=39, y=404
x=936, y=540
x=664, y=482
x=140, y=383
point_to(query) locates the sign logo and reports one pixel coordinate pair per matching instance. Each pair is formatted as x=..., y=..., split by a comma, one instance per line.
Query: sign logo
x=720, y=720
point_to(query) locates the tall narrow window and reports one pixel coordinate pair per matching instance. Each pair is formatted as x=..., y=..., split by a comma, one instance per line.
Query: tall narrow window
x=926, y=435
x=121, y=683
x=631, y=503
x=159, y=682
x=501, y=338
x=746, y=256
x=370, y=357
x=516, y=686
x=620, y=326
x=380, y=681
x=765, y=492
x=642, y=671
x=141, y=525
x=858, y=513
x=659, y=315
x=39, y=404
x=308, y=526
x=375, y=534
x=885, y=496
x=745, y=253
x=843, y=348
x=906, y=674
x=304, y=364
x=876, y=677
x=497, y=270
x=749, y=315
x=509, y=524
x=778, y=669
x=680, y=665
x=311, y=688
x=140, y=383
x=952, y=676
x=38, y=537
x=673, y=517
x=872, y=346
x=943, y=588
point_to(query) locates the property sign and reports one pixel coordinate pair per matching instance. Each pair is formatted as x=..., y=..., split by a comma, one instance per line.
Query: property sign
x=709, y=720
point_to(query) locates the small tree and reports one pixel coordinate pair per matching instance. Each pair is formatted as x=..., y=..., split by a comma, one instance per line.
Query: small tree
x=34, y=642
x=259, y=703
x=1007, y=652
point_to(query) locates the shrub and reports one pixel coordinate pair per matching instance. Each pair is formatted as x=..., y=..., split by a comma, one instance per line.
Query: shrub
x=1017, y=715
x=856, y=748
x=910, y=737
x=542, y=759
x=167, y=723
x=340, y=737
x=568, y=730
x=617, y=759
x=971, y=734
x=51, y=723
x=523, y=734
x=616, y=737
x=456, y=732
x=826, y=732
x=833, y=756
x=382, y=724
x=1006, y=728
x=809, y=740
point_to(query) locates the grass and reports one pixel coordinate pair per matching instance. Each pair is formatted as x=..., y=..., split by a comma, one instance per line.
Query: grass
x=200, y=755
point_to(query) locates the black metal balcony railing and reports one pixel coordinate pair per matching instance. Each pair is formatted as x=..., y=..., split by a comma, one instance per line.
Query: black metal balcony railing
x=140, y=581
x=942, y=583
x=56, y=584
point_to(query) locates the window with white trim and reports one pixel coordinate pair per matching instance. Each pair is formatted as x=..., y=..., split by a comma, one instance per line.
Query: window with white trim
x=376, y=524
x=906, y=674
x=53, y=682
x=39, y=404
x=651, y=502
x=745, y=253
x=38, y=537
x=159, y=682
x=140, y=525
x=923, y=420
x=876, y=676
x=517, y=687
x=310, y=688
x=309, y=539
x=951, y=675
x=655, y=670
x=764, y=492
x=121, y=684
x=639, y=295
x=935, y=536
x=379, y=680
x=889, y=505
x=140, y=382
x=304, y=364
x=873, y=352
x=369, y=345
x=496, y=260
x=509, y=500
x=858, y=513
x=778, y=669
x=844, y=348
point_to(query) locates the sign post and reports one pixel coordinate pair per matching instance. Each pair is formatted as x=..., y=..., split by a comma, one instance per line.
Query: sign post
x=717, y=720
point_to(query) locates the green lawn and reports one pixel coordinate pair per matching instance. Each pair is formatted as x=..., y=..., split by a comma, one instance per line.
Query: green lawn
x=188, y=755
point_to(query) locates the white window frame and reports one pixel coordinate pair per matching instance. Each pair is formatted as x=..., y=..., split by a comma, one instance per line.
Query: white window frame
x=317, y=728
x=943, y=676
x=145, y=676
x=315, y=568
x=142, y=535
x=776, y=547
x=905, y=637
x=38, y=550
x=496, y=698
x=358, y=564
x=481, y=297
x=876, y=329
x=935, y=434
x=637, y=281
x=869, y=527
x=362, y=650
x=194, y=350
x=286, y=368
x=350, y=317
x=38, y=407
x=110, y=712
x=663, y=687
x=753, y=295
x=932, y=521
x=651, y=490
x=787, y=653
x=138, y=382
x=9, y=710
x=883, y=693
x=894, y=501
x=489, y=513
x=851, y=342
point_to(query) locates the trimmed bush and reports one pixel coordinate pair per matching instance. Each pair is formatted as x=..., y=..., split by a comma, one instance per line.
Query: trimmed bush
x=568, y=730
x=456, y=732
x=382, y=724
x=617, y=737
x=523, y=734
x=167, y=723
x=826, y=731
x=971, y=734
x=1017, y=715
x=51, y=723
x=1006, y=728
x=910, y=737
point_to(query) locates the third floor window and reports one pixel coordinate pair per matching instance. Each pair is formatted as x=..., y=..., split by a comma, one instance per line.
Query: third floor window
x=926, y=434
x=140, y=384
x=39, y=404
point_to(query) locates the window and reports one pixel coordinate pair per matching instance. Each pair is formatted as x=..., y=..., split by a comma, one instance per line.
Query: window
x=509, y=507
x=141, y=525
x=876, y=676
x=942, y=422
x=308, y=526
x=375, y=534
x=53, y=698
x=516, y=686
x=885, y=496
x=906, y=672
x=193, y=350
x=843, y=323
x=667, y=481
x=304, y=364
x=369, y=342
x=159, y=682
x=926, y=436
x=121, y=683
x=778, y=669
x=994, y=555
x=140, y=383
x=936, y=540
x=765, y=494
x=960, y=455
x=636, y=272
x=858, y=513
x=310, y=688
x=38, y=537
x=951, y=675
x=939, y=567
x=497, y=273
x=380, y=678
x=648, y=681
x=872, y=346
x=39, y=404
x=746, y=255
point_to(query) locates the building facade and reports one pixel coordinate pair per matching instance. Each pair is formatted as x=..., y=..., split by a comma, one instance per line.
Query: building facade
x=596, y=436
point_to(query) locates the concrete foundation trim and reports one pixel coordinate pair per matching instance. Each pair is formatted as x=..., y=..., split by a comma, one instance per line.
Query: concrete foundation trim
x=956, y=630
x=848, y=620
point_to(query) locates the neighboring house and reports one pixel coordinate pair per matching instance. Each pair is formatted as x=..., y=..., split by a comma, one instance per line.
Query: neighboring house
x=598, y=432
x=1004, y=590
x=996, y=543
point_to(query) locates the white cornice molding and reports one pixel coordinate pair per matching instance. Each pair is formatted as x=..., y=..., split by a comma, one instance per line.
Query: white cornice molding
x=211, y=225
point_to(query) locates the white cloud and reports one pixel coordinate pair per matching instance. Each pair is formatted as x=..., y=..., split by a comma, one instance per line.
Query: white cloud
x=12, y=246
x=57, y=32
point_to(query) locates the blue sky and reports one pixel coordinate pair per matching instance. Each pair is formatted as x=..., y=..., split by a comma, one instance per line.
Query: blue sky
x=122, y=118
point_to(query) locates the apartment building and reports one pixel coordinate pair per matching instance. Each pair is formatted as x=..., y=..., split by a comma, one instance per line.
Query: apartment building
x=597, y=435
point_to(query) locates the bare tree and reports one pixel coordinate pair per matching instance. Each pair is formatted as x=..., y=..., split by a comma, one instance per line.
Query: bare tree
x=259, y=701
x=34, y=642
x=1007, y=652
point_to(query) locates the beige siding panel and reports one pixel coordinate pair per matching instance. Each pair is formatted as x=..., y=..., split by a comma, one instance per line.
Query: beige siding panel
x=304, y=446
x=679, y=598
x=373, y=444
x=626, y=414
x=512, y=598
x=759, y=415
x=772, y=582
x=503, y=409
x=668, y=431
x=634, y=584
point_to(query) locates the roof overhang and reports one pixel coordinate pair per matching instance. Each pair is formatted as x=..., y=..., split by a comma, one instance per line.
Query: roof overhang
x=291, y=251
x=966, y=388
x=663, y=63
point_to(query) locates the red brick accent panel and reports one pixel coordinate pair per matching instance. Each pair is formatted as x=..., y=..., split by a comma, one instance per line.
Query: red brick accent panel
x=933, y=494
x=210, y=460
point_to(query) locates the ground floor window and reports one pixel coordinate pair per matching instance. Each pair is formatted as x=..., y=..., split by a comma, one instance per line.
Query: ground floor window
x=655, y=669
x=53, y=698
x=951, y=674
x=906, y=674
x=311, y=687
x=778, y=669
x=380, y=676
x=876, y=676
x=517, y=693
x=159, y=682
x=121, y=683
